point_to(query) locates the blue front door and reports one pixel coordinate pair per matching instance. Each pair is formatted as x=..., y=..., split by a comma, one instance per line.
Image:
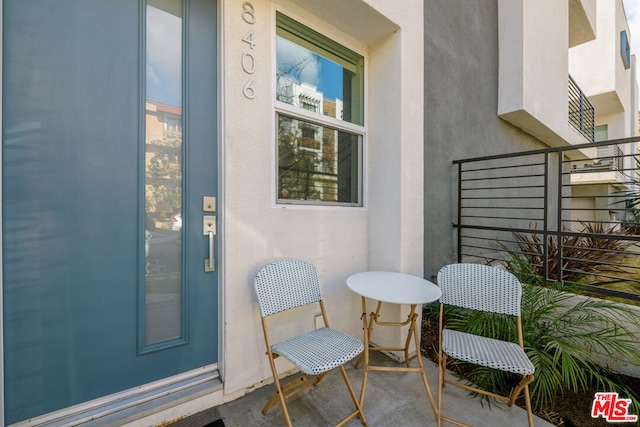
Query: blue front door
x=108, y=152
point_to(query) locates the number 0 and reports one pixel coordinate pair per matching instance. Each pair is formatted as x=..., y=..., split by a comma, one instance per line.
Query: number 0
x=248, y=13
x=249, y=67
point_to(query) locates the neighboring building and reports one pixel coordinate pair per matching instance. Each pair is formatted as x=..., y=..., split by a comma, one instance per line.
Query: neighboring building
x=108, y=127
x=508, y=76
x=308, y=153
x=607, y=72
x=163, y=162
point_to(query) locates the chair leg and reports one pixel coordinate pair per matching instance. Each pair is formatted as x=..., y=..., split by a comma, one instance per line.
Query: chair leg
x=527, y=400
x=318, y=379
x=443, y=368
x=280, y=395
x=274, y=372
x=442, y=365
x=302, y=382
x=523, y=385
x=524, y=382
x=358, y=412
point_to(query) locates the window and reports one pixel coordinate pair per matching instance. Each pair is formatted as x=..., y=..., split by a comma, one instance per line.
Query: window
x=625, y=49
x=172, y=123
x=320, y=118
x=601, y=133
x=309, y=106
x=307, y=174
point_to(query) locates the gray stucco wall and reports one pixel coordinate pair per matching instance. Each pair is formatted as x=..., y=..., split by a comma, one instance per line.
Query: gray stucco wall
x=461, y=104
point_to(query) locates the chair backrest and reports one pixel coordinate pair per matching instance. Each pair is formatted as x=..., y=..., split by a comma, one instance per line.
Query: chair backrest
x=480, y=287
x=286, y=284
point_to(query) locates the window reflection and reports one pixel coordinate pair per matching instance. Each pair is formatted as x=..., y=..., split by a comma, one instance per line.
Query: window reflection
x=163, y=172
x=312, y=69
x=308, y=80
x=316, y=162
x=324, y=82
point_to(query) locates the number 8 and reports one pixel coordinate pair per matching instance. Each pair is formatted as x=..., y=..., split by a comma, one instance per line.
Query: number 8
x=248, y=13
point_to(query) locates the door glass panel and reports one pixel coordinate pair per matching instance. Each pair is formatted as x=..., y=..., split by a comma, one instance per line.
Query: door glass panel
x=163, y=296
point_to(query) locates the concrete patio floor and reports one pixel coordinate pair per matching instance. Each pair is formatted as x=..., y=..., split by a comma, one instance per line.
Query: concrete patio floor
x=392, y=399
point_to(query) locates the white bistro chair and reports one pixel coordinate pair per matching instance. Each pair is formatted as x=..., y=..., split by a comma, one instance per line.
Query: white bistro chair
x=287, y=284
x=489, y=289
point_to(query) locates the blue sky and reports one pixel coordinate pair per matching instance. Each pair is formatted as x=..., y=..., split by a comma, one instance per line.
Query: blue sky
x=164, y=57
x=322, y=73
x=330, y=79
x=632, y=10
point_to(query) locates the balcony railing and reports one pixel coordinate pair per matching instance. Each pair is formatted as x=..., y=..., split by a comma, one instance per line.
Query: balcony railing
x=581, y=112
x=557, y=215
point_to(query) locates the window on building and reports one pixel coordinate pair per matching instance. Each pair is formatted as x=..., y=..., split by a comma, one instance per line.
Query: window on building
x=601, y=133
x=320, y=117
x=308, y=106
x=625, y=49
x=172, y=123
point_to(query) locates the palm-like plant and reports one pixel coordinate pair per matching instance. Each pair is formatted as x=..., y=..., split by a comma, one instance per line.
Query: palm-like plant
x=562, y=333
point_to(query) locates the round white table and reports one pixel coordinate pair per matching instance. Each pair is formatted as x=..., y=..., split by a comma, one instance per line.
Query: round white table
x=393, y=288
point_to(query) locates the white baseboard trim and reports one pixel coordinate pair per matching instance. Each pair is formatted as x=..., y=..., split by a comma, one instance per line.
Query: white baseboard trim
x=127, y=406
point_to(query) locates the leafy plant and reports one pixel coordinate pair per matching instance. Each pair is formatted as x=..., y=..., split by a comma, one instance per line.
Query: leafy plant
x=562, y=333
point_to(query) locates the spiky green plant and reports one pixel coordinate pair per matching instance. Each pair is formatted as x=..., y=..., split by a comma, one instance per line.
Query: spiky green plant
x=561, y=335
x=581, y=255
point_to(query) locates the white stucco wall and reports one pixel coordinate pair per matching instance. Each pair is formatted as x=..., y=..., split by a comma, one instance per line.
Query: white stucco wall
x=386, y=233
x=533, y=67
x=582, y=21
x=622, y=80
x=597, y=65
x=595, y=77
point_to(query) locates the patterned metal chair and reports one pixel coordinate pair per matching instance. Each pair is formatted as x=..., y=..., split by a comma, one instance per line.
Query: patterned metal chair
x=287, y=284
x=489, y=289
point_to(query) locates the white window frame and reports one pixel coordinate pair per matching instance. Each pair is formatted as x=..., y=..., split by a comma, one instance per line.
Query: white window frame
x=299, y=113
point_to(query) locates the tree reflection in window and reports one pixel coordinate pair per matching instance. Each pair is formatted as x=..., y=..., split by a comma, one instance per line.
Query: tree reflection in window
x=316, y=163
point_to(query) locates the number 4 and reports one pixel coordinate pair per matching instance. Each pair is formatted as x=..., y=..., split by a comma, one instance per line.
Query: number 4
x=249, y=39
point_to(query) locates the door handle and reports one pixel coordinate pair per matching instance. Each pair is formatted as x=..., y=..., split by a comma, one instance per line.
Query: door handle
x=209, y=229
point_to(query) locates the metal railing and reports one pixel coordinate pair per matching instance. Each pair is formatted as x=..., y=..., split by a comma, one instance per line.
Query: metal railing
x=581, y=111
x=567, y=214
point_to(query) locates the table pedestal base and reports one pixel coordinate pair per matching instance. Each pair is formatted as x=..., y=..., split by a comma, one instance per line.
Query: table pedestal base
x=413, y=333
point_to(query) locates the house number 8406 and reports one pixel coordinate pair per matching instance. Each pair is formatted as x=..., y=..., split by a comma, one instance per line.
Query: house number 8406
x=248, y=60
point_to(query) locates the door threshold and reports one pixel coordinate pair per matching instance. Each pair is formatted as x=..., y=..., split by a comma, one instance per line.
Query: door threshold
x=129, y=405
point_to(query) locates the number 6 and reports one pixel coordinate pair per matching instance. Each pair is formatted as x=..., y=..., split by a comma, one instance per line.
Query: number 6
x=249, y=92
